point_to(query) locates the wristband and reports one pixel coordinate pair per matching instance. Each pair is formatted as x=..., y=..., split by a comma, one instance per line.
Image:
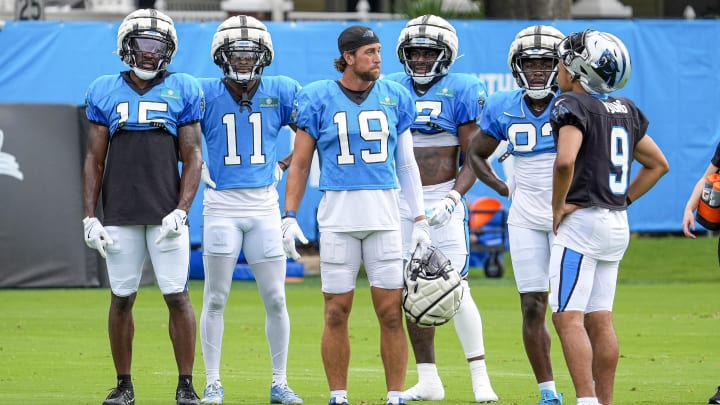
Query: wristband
x=290, y=214
x=455, y=196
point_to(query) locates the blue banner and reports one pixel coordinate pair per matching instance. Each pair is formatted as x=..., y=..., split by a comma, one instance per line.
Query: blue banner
x=674, y=81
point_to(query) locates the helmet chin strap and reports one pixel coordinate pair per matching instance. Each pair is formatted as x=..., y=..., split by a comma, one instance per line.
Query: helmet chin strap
x=144, y=74
x=245, y=101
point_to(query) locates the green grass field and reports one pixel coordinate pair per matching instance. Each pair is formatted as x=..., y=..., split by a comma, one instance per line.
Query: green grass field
x=54, y=348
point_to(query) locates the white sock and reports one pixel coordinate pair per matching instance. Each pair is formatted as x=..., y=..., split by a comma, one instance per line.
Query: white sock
x=270, y=280
x=587, y=401
x=478, y=372
x=468, y=325
x=427, y=372
x=394, y=397
x=212, y=323
x=548, y=385
x=341, y=395
x=279, y=380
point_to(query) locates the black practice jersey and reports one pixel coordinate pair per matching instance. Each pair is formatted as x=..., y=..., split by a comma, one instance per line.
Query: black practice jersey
x=142, y=181
x=611, y=128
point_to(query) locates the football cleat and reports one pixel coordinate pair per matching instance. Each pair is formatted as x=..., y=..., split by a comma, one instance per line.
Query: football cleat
x=547, y=397
x=400, y=401
x=338, y=401
x=425, y=392
x=282, y=394
x=186, y=395
x=214, y=394
x=715, y=398
x=483, y=391
x=120, y=396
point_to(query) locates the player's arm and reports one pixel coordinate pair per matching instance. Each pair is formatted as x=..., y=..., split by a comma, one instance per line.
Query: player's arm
x=654, y=166
x=569, y=140
x=465, y=178
x=688, y=223
x=190, y=145
x=479, y=151
x=284, y=163
x=408, y=175
x=299, y=170
x=94, y=166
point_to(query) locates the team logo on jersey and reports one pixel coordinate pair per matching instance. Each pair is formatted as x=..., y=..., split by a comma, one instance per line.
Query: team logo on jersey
x=8, y=165
x=170, y=93
x=267, y=102
x=446, y=92
x=389, y=100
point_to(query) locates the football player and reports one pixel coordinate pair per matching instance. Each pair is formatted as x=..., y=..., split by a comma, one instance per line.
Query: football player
x=360, y=128
x=597, y=136
x=142, y=123
x=244, y=114
x=522, y=118
x=448, y=106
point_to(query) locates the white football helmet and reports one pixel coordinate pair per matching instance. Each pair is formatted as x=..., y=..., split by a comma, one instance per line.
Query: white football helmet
x=242, y=47
x=432, y=32
x=599, y=60
x=147, y=42
x=536, y=42
x=433, y=289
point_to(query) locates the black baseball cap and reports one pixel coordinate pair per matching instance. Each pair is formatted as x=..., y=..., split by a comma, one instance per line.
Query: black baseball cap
x=354, y=37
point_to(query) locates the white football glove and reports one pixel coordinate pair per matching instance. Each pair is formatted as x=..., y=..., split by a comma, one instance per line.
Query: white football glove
x=511, y=186
x=291, y=231
x=420, y=238
x=205, y=176
x=173, y=225
x=442, y=211
x=96, y=237
x=278, y=173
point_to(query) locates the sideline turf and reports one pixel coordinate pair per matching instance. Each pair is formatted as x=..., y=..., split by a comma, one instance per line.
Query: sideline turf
x=54, y=349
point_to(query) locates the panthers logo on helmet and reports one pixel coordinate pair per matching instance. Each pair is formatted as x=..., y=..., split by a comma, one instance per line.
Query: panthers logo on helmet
x=433, y=289
x=598, y=60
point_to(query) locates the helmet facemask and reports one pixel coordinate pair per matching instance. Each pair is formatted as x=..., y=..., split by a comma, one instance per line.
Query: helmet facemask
x=424, y=34
x=533, y=60
x=242, y=61
x=147, y=53
x=147, y=42
x=424, y=62
x=536, y=73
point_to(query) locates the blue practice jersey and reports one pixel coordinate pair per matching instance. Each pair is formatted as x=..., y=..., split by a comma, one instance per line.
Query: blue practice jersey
x=356, y=142
x=454, y=100
x=141, y=183
x=507, y=117
x=242, y=145
x=175, y=101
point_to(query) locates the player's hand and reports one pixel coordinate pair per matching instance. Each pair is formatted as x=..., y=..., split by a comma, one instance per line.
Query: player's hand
x=173, y=225
x=291, y=231
x=511, y=187
x=688, y=224
x=278, y=173
x=442, y=211
x=96, y=237
x=205, y=176
x=421, y=237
